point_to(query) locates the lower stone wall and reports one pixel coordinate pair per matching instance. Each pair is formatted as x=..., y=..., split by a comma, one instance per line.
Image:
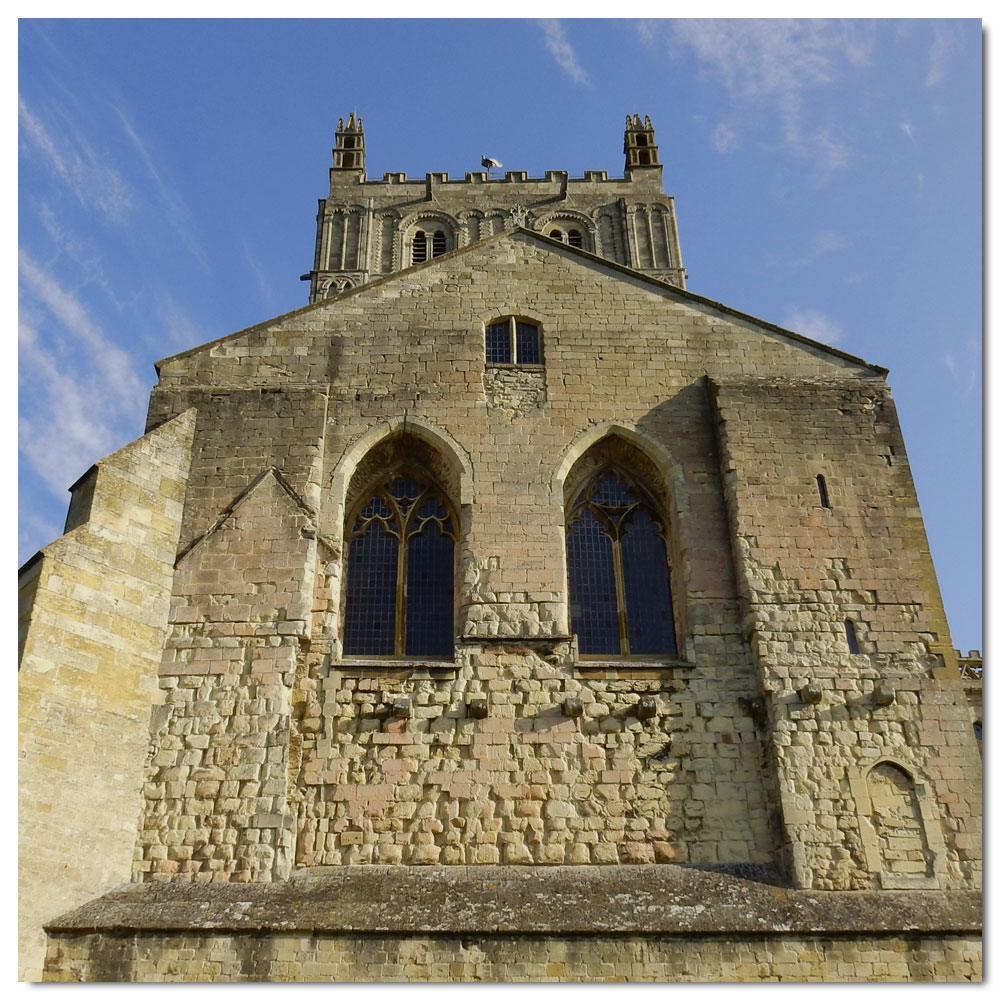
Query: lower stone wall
x=509, y=958
x=626, y=923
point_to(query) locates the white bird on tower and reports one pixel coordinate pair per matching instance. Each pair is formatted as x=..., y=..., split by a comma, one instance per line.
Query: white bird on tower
x=490, y=163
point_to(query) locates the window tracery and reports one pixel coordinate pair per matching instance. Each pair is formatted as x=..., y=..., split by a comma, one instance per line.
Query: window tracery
x=619, y=576
x=400, y=578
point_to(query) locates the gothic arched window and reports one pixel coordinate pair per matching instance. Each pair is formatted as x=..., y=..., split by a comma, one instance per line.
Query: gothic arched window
x=619, y=578
x=401, y=572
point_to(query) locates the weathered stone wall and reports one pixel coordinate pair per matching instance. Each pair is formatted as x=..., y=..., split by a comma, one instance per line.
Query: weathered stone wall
x=317, y=757
x=805, y=568
x=600, y=924
x=528, y=784
x=288, y=958
x=93, y=623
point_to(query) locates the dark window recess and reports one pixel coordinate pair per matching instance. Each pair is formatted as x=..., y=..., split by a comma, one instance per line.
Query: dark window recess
x=977, y=729
x=439, y=244
x=513, y=342
x=401, y=573
x=619, y=578
x=419, y=247
x=556, y=234
x=852, y=636
x=575, y=238
x=824, y=497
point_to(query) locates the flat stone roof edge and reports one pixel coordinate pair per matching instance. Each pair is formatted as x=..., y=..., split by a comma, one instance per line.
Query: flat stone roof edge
x=633, y=900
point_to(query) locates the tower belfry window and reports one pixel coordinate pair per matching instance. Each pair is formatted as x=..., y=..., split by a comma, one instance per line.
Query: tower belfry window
x=425, y=246
x=419, y=247
x=513, y=341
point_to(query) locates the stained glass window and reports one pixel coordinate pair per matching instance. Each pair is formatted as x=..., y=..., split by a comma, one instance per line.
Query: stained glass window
x=619, y=578
x=401, y=573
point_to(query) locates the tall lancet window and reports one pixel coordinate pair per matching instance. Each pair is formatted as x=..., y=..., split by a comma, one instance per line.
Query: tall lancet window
x=619, y=578
x=401, y=572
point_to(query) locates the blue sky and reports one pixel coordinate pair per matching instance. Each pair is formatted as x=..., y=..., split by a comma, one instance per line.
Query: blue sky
x=827, y=177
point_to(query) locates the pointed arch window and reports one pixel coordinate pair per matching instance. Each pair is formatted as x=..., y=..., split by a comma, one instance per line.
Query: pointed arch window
x=619, y=577
x=401, y=572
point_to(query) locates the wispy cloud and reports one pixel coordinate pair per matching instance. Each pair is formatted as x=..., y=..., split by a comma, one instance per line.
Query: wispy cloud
x=966, y=369
x=85, y=395
x=563, y=53
x=94, y=182
x=773, y=64
x=176, y=213
x=944, y=45
x=180, y=331
x=266, y=291
x=812, y=323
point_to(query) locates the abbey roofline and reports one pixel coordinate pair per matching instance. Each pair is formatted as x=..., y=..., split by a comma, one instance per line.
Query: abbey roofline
x=680, y=294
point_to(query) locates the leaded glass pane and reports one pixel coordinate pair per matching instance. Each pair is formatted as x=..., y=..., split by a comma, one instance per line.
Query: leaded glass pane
x=593, y=604
x=528, y=346
x=612, y=492
x=646, y=577
x=370, y=609
x=430, y=586
x=498, y=344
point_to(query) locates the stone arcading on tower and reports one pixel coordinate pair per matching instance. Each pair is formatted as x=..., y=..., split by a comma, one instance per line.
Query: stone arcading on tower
x=365, y=227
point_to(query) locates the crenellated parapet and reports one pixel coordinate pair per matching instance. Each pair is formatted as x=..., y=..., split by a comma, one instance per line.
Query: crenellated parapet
x=369, y=228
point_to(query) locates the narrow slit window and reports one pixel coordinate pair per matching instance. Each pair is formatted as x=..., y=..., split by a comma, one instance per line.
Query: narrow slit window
x=824, y=496
x=852, y=636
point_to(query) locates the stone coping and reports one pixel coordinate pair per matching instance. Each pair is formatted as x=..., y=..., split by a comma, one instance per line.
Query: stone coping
x=643, y=900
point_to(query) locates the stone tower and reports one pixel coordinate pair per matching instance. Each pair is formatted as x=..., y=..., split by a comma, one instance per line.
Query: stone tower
x=366, y=229
x=506, y=569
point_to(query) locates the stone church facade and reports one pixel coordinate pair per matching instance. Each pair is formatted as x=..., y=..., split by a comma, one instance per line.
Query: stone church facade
x=507, y=612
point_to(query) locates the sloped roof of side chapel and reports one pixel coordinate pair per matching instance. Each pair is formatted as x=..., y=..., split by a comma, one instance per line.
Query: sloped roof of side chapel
x=699, y=303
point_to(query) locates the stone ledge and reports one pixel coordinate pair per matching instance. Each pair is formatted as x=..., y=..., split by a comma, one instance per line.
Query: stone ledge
x=594, y=900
